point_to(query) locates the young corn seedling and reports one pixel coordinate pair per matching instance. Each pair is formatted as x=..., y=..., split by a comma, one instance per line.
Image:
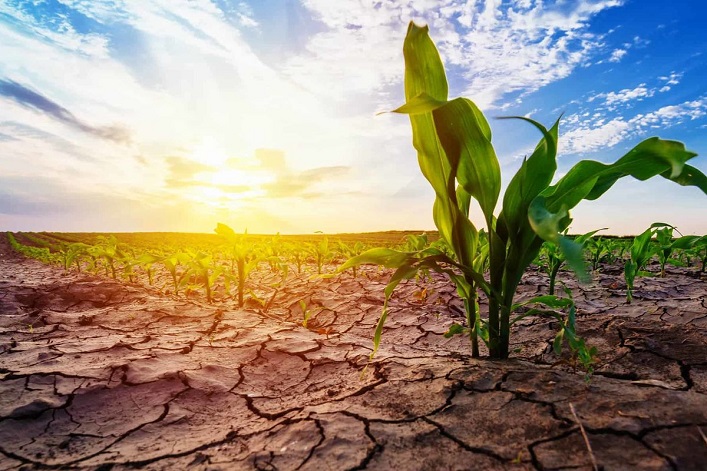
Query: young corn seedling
x=599, y=250
x=298, y=257
x=555, y=258
x=147, y=261
x=641, y=253
x=351, y=251
x=699, y=250
x=72, y=254
x=667, y=245
x=202, y=269
x=106, y=249
x=453, y=143
x=415, y=243
x=173, y=263
x=306, y=312
x=580, y=352
x=243, y=258
x=321, y=253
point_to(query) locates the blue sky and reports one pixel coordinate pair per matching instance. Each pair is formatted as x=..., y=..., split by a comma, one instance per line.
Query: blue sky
x=160, y=115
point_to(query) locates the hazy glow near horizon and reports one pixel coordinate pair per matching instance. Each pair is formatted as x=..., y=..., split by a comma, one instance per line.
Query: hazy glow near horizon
x=173, y=116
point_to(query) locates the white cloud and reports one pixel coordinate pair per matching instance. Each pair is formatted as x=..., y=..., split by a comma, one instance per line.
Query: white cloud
x=501, y=49
x=617, y=55
x=591, y=133
x=626, y=95
x=56, y=29
x=672, y=79
x=611, y=100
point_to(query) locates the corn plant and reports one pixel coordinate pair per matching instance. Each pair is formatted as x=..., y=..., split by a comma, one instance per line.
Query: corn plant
x=106, y=249
x=641, y=253
x=567, y=326
x=349, y=251
x=243, y=258
x=203, y=271
x=72, y=254
x=297, y=255
x=699, y=250
x=415, y=243
x=147, y=261
x=176, y=265
x=599, y=249
x=453, y=143
x=272, y=253
x=322, y=254
x=306, y=312
x=555, y=258
x=667, y=245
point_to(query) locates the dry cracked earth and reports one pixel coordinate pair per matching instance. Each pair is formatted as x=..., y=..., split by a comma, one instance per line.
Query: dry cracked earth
x=96, y=374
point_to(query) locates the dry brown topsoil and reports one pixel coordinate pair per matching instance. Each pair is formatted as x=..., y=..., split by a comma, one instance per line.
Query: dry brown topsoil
x=96, y=374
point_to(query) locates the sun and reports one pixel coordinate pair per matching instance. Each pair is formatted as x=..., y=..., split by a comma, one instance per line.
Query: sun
x=226, y=181
x=210, y=152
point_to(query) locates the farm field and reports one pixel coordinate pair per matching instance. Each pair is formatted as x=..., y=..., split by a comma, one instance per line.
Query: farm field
x=156, y=313
x=99, y=372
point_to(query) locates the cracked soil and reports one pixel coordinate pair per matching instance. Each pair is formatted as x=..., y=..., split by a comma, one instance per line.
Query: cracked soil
x=97, y=374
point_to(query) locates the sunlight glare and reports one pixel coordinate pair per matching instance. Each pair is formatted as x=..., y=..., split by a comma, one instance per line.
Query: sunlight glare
x=210, y=152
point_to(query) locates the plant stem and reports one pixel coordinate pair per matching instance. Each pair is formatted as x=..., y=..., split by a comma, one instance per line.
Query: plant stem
x=472, y=311
x=553, y=277
x=241, y=280
x=493, y=326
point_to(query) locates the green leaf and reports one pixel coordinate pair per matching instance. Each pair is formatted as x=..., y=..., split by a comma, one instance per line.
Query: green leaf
x=572, y=251
x=690, y=176
x=379, y=332
x=424, y=75
x=454, y=329
x=465, y=137
x=685, y=242
x=388, y=258
x=557, y=343
x=405, y=272
x=546, y=224
x=533, y=177
x=589, y=179
x=582, y=239
x=548, y=300
x=425, y=80
x=422, y=103
x=424, y=71
x=225, y=231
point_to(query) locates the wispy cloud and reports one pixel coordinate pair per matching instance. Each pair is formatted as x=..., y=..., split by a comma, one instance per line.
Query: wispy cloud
x=590, y=133
x=54, y=27
x=501, y=48
x=626, y=95
x=617, y=55
x=31, y=99
x=182, y=169
x=301, y=184
x=670, y=81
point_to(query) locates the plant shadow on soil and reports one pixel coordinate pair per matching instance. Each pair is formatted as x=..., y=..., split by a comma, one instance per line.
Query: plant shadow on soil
x=96, y=374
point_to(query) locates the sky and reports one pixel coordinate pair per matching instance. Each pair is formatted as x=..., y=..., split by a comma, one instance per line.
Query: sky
x=173, y=115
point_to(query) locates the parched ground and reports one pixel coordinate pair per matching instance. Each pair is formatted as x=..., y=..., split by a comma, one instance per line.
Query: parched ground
x=96, y=374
